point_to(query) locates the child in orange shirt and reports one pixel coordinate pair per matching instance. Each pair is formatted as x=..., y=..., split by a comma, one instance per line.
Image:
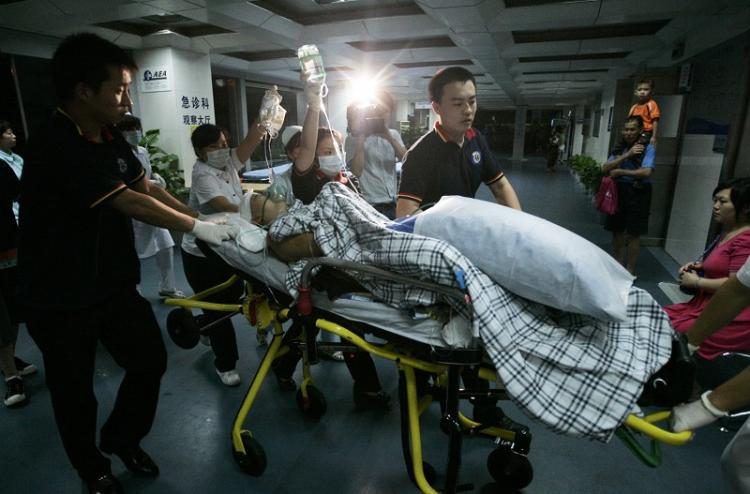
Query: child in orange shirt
x=646, y=108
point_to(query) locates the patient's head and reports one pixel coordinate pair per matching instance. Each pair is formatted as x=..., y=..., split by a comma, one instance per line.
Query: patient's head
x=260, y=209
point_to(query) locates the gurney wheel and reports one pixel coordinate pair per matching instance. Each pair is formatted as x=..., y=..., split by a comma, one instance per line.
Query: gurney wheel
x=314, y=406
x=183, y=329
x=253, y=460
x=509, y=469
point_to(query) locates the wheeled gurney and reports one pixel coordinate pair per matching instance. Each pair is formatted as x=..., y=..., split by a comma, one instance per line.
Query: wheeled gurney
x=413, y=344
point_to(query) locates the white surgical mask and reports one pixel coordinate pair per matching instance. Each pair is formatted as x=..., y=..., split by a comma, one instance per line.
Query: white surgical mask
x=329, y=165
x=218, y=159
x=133, y=137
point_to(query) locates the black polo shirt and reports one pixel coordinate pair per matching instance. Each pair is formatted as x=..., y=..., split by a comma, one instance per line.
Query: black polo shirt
x=307, y=185
x=74, y=250
x=435, y=167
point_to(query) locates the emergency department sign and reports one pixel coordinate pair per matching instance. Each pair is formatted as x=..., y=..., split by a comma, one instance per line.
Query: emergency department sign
x=155, y=79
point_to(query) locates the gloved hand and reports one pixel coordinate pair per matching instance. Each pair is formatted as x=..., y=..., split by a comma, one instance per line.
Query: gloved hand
x=313, y=94
x=696, y=414
x=158, y=180
x=213, y=233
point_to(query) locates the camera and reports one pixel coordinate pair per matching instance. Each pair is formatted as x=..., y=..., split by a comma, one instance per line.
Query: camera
x=366, y=120
x=644, y=138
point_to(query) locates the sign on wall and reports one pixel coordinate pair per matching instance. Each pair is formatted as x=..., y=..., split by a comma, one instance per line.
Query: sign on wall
x=195, y=110
x=155, y=79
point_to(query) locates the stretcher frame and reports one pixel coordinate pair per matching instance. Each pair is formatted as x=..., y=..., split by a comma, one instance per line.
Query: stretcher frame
x=261, y=309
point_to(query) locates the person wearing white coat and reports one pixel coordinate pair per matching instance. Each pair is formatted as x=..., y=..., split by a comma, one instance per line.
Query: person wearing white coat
x=151, y=241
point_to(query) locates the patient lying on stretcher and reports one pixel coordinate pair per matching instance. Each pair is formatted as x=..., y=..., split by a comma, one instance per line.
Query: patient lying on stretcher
x=527, y=255
x=586, y=371
x=260, y=209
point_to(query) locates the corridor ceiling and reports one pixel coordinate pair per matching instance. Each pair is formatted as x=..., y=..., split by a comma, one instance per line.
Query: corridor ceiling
x=523, y=52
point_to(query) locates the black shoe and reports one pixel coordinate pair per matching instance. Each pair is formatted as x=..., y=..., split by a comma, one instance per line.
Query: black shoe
x=286, y=383
x=106, y=484
x=14, y=394
x=371, y=400
x=137, y=461
x=490, y=415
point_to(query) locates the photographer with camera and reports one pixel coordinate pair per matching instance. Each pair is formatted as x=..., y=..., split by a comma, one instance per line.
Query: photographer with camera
x=373, y=150
x=630, y=164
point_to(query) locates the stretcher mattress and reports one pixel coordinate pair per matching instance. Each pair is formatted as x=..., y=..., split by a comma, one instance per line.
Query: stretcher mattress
x=266, y=268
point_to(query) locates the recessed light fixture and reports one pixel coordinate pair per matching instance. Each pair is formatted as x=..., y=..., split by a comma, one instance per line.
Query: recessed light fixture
x=163, y=31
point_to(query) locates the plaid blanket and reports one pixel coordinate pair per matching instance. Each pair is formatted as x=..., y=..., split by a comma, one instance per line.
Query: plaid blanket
x=578, y=375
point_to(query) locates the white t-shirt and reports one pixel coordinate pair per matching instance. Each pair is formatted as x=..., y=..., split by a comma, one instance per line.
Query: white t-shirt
x=743, y=275
x=208, y=183
x=378, y=180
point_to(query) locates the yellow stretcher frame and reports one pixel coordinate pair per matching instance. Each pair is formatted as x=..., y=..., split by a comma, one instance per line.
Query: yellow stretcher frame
x=257, y=308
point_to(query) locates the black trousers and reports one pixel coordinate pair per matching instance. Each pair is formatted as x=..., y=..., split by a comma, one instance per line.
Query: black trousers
x=203, y=273
x=126, y=326
x=360, y=365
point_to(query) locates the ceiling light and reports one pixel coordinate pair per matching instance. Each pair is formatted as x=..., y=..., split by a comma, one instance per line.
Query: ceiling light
x=328, y=2
x=163, y=31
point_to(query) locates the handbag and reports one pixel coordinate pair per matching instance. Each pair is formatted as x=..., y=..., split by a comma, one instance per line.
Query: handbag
x=606, y=198
x=673, y=383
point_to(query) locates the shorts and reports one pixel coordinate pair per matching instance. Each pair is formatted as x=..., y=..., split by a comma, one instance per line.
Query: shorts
x=634, y=207
x=8, y=312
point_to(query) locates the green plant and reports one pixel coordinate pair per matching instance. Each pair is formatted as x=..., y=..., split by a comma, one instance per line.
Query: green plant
x=588, y=170
x=166, y=165
x=411, y=134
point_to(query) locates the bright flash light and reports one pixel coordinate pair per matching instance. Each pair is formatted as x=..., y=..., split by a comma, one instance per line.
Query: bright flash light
x=362, y=90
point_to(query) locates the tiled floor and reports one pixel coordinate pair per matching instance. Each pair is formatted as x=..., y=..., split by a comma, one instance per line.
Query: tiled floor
x=345, y=452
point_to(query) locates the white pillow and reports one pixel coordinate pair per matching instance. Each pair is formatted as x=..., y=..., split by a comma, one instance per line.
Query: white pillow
x=531, y=257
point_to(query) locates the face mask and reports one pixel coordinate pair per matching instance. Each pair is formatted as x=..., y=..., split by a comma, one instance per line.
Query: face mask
x=218, y=159
x=133, y=137
x=329, y=165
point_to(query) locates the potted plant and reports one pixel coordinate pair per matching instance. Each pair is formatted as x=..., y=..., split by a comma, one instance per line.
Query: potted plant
x=166, y=165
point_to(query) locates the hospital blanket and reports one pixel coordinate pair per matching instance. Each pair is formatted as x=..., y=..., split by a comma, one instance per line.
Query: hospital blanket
x=578, y=375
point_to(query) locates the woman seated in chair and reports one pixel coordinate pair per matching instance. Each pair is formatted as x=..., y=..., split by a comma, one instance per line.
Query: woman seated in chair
x=731, y=209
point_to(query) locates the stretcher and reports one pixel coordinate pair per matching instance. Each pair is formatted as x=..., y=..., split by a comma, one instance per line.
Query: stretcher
x=412, y=343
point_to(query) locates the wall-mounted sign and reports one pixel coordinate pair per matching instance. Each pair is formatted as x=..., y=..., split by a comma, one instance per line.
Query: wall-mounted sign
x=155, y=79
x=422, y=105
x=195, y=110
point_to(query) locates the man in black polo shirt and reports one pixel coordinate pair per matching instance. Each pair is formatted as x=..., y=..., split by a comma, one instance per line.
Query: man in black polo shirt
x=77, y=263
x=453, y=159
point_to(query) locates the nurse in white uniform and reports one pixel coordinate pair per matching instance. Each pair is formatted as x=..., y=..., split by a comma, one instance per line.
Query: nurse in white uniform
x=151, y=240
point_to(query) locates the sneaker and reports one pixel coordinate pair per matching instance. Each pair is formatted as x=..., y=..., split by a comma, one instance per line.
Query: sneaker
x=229, y=378
x=24, y=368
x=15, y=393
x=172, y=294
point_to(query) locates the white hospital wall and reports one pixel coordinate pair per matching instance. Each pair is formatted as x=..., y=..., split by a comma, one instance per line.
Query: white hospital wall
x=690, y=218
x=190, y=76
x=599, y=147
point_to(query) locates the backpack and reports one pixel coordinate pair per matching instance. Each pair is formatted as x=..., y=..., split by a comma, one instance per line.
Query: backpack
x=606, y=198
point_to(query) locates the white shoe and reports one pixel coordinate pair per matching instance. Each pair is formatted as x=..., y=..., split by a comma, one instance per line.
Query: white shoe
x=229, y=378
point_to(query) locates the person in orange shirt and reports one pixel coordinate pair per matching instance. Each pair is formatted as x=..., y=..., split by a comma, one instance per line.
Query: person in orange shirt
x=646, y=108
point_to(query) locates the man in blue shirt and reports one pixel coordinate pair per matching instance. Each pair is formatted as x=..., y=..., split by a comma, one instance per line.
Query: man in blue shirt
x=631, y=165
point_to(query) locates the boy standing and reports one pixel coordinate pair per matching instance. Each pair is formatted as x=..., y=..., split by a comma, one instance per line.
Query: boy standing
x=646, y=108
